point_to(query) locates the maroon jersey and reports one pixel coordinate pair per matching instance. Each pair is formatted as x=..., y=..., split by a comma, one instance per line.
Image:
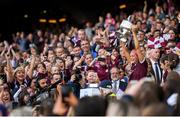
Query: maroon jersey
x=139, y=71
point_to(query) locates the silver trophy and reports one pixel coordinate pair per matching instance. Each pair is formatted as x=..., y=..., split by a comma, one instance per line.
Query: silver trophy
x=125, y=29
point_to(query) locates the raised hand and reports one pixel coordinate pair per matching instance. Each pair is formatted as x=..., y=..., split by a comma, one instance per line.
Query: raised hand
x=6, y=44
x=134, y=28
x=7, y=56
x=145, y=3
x=1, y=94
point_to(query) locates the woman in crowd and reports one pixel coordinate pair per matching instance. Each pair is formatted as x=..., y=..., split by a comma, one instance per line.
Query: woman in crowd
x=168, y=63
x=136, y=59
x=7, y=99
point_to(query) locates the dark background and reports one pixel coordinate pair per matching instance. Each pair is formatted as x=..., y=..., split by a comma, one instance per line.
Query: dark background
x=76, y=11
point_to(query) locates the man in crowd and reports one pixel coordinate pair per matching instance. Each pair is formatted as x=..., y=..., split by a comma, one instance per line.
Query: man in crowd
x=156, y=69
x=117, y=83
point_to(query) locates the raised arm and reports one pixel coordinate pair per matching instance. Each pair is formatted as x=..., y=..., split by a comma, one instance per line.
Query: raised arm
x=12, y=51
x=45, y=49
x=105, y=36
x=70, y=33
x=79, y=62
x=30, y=71
x=92, y=63
x=9, y=69
x=141, y=56
x=1, y=95
x=145, y=7
x=4, y=50
x=15, y=96
x=125, y=50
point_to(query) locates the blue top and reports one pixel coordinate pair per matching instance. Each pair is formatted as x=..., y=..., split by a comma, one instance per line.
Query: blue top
x=93, y=53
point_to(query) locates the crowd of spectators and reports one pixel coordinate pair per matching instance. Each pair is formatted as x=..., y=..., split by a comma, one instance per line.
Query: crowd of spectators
x=42, y=73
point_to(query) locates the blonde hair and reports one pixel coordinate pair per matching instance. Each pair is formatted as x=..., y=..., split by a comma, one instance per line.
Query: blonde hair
x=18, y=69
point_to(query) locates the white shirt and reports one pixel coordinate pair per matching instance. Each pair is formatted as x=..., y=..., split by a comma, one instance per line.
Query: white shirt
x=172, y=100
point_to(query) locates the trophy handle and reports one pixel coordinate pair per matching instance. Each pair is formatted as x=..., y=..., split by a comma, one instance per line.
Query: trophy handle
x=129, y=18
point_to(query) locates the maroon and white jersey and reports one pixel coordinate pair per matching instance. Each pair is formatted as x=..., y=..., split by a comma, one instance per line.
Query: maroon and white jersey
x=156, y=42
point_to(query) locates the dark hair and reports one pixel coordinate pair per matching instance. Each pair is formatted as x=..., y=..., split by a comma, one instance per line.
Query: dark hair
x=39, y=77
x=171, y=41
x=141, y=31
x=34, y=47
x=157, y=31
x=41, y=64
x=7, y=89
x=21, y=97
x=51, y=49
x=138, y=21
x=149, y=93
x=46, y=61
x=66, y=90
x=2, y=66
x=37, y=109
x=164, y=58
x=83, y=41
x=158, y=109
x=46, y=107
x=172, y=58
x=121, y=68
x=171, y=86
x=152, y=15
x=61, y=77
x=159, y=22
x=3, y=77
x=58, y=58
x=77, y=46
x=97, y=105
x=116, y=49
x=173, y=29
x=173, y=75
